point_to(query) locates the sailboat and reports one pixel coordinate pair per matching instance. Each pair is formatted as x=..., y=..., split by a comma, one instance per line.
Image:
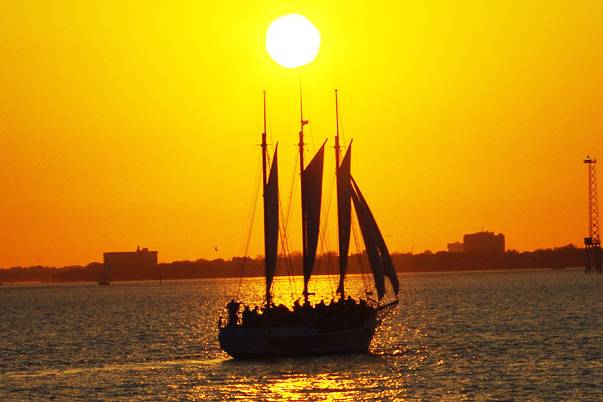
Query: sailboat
x=345, y=326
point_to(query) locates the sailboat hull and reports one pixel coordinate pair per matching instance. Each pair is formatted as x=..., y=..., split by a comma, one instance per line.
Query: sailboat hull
x=254, y=343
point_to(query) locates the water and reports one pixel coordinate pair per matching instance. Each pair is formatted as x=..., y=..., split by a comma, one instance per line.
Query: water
x=455, y=336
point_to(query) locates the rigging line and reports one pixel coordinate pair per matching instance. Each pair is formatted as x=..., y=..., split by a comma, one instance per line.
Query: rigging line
x=252, y=197
x=323, y=235
x=341, y=127
x=310, y=128
x=284, y=245
x=293, y=187
x=269, y=161
x=270, y=145
x=285, y=253
x=292, y=194
x=245, y=257
x=252, y=193
x=325, y=260
x=323, y=242
x=249, y=233
x=360, y=256
x=269, y=124
x=283, y=232
x=286, y=257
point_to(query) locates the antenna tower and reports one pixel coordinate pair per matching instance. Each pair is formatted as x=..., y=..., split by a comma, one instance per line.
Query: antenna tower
x=592, y=243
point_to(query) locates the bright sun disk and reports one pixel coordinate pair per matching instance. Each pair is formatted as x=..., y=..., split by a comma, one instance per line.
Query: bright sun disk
x=292, y=41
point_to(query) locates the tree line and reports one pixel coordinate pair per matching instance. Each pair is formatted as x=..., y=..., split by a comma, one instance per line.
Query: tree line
x=555, y=258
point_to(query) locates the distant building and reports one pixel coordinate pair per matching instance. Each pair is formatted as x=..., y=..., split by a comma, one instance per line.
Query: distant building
x=129, y=261
x=456, y=247
x=484, y=242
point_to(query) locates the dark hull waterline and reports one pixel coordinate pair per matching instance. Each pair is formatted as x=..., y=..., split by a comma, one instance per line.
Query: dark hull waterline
x=300, y=341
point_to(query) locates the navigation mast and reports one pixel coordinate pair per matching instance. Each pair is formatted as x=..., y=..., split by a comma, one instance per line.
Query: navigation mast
x=592, y=243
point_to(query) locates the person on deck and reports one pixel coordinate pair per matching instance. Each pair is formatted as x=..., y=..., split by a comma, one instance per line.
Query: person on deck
x=320, y=307
x=246, y=316
x=233, y=312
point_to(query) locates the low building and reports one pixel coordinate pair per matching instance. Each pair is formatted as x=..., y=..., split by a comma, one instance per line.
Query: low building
x=484, y=242
x=456, y=247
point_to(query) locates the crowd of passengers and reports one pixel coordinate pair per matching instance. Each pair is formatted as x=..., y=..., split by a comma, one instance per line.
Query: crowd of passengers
x=340, y=314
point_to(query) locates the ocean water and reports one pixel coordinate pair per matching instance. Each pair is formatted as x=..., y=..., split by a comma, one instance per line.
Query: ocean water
x=534, y=335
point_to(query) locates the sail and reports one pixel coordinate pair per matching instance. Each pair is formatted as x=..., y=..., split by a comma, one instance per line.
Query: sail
x=385, y=259
x=370, y=242
x=311, y=202
x=344, y=215
x=271, y=221
x=388, y=264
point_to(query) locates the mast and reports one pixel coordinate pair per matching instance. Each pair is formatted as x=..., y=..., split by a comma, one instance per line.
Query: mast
x=271, y=211
x=344, y=216
x=311, y=192
x=301, y=170
x=264, y=153
x=337, y=148
x=340, y=288
x=264, y=181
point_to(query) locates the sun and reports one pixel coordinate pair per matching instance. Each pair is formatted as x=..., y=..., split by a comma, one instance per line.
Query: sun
x=292, y=40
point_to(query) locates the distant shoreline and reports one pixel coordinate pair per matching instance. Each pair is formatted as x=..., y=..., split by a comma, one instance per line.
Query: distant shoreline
x=567, y=257
x=465, y=271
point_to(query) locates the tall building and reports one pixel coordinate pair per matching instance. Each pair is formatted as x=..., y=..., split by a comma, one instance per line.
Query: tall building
x=484, y=242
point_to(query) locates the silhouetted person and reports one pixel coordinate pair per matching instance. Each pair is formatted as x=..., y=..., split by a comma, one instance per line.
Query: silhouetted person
x=254, y=317
x=233, y=312
x=320, y=307
x=246, y=316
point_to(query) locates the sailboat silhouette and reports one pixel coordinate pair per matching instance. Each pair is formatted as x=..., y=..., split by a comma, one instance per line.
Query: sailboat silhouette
x=345, y=326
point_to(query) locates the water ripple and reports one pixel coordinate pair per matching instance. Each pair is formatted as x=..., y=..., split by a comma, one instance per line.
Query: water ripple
x=479, y=336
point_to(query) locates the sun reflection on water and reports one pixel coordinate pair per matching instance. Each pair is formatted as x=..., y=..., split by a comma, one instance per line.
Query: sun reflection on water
x=287, y=290
x=301, y=387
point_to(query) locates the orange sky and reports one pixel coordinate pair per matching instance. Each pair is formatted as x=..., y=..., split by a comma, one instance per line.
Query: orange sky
x=137, y=123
